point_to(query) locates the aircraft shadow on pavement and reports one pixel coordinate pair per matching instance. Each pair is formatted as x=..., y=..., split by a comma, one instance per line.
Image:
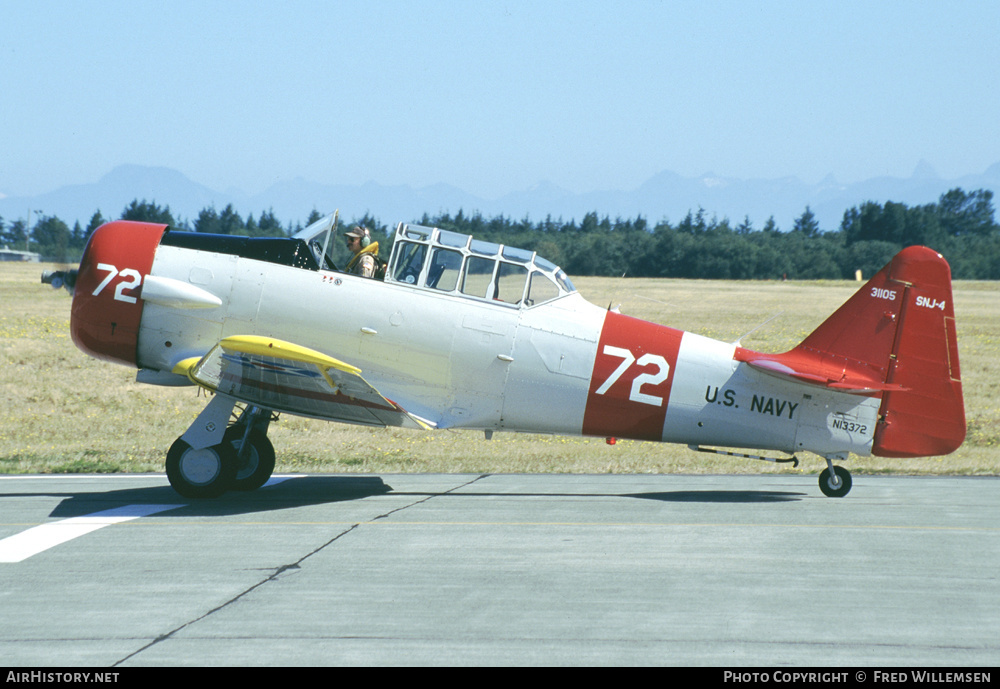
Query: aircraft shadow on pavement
x=722, y=496
x=317, y=490
x=718, y=496
x=295, y=492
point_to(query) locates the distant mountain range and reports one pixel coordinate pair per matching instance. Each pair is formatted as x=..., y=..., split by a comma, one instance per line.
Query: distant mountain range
x=665, y=195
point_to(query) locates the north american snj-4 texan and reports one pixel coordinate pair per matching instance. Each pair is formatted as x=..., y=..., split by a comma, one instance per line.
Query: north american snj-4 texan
x=464, y=333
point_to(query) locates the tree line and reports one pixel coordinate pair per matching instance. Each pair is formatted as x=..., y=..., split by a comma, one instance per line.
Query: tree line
x=52, y=238
x=960, y=225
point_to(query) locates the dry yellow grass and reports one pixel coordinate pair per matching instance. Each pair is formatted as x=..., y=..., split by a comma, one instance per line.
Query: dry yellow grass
x=65, y=412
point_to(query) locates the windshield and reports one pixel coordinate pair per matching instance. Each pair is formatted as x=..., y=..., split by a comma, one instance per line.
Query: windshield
x=319, y=236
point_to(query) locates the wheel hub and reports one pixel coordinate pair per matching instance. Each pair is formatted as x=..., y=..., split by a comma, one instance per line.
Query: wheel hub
x=200, y=467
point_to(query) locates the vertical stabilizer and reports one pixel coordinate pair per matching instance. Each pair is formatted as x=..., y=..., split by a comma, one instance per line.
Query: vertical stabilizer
x=895, y=337
x=926, y=417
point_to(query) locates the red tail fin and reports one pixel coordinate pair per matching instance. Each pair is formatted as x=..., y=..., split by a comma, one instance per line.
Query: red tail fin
x=928, y=418
x=894, y=337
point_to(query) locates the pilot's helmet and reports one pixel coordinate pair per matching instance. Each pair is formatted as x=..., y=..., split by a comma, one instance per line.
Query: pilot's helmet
x=362, y=234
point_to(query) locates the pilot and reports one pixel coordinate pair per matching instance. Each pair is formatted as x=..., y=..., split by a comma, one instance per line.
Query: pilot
x=364, y=262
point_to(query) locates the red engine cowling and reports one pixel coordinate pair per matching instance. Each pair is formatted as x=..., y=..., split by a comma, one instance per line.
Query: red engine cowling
x=107, y=307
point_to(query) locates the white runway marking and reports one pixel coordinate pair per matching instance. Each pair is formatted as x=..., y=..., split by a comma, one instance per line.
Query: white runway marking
x=39, y=538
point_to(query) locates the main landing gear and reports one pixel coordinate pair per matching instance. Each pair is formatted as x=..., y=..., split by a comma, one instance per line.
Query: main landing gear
x=214, y=456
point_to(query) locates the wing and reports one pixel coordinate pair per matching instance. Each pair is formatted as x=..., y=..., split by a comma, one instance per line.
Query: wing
x=286, y=377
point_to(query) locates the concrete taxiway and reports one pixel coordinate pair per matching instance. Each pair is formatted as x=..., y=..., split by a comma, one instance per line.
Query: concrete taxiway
x=500, y=569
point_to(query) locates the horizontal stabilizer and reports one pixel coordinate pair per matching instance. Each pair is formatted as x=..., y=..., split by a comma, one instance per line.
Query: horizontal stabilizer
x=802, y=370
x=288, y=378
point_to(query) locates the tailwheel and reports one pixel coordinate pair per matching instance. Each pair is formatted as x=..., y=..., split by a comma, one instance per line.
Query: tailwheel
x=204, y=473
x=835, y=481
x=255, y=456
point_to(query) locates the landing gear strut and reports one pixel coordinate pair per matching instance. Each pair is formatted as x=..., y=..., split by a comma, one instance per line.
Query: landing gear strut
x=834, y=481
x=254, y=452
x=211, y=458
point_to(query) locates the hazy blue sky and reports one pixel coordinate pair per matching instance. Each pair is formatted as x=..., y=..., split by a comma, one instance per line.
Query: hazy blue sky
x=495, y=96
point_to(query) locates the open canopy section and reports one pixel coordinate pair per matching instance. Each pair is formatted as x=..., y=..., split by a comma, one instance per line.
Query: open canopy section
x=319, y=236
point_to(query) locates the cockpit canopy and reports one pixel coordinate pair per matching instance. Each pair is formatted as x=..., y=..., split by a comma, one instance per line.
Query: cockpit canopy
x=460, y=264
x=450, y=262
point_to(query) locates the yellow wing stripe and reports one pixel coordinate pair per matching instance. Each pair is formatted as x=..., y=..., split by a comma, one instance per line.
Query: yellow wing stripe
x=186, y=366
x=267, y=346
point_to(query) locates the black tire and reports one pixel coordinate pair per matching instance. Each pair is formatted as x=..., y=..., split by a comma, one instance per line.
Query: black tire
x=258, y=464
x=204, y=473
x=826, y=482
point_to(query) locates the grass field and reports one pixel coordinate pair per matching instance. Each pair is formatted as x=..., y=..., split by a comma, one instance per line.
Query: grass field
x=64, y=412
